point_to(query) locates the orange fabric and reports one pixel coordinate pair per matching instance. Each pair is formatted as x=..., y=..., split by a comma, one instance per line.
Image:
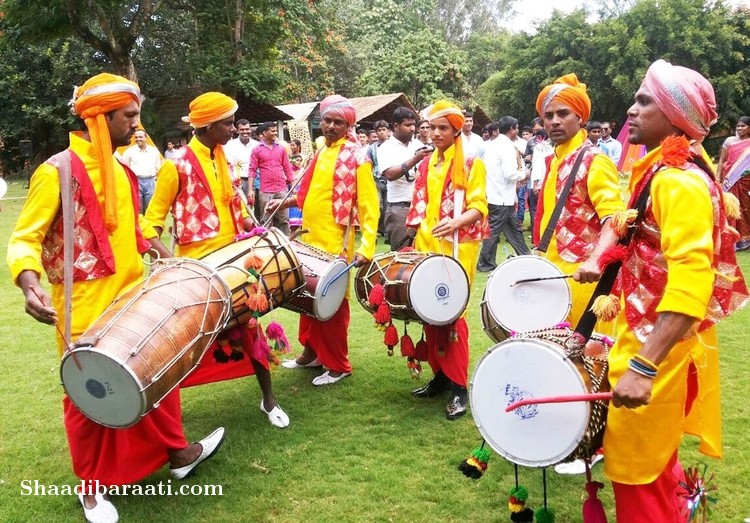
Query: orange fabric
x=209, y=108
x=445, y=109
x=568, y=90
x=98, y=96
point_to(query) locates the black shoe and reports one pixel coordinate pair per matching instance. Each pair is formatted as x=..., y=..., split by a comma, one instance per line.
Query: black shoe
x=437, y=385
x=457, y=407
x=482, y=268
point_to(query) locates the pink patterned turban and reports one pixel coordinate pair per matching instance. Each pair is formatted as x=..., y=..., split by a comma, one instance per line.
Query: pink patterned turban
x=338, y=105
x=684, y=96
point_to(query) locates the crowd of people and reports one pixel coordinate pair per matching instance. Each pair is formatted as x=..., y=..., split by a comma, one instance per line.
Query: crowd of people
x=429, y=182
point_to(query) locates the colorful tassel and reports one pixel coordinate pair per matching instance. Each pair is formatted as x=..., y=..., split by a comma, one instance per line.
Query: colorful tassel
x=275, y=333
x=253, y=261
x=544, y=515
x=415, y=368
x=519, y=512
x=606, y=307
x=377, y=295
x=593, y=510
x=257, y=301
x=616, y=253
x=622, y=219
x=475, y=465
x=383, y=314
x=421, y=349
x=220, y=354
x=407, y=345
x=675, y=150
x=390, y=338
x=731, y=205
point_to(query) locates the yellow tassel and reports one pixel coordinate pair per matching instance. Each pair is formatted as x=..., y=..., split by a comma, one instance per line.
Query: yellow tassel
x=516, y=507
x=732, y=205
x=726, y=277
x=622, y=219
x=606, y=307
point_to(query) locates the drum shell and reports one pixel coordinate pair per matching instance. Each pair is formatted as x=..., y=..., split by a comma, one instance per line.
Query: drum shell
x=399, y=271
x=318, y=268
x=151, y=337
x=281, y=272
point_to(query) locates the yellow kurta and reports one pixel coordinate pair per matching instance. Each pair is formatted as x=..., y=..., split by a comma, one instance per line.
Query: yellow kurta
x=92, y=297
x=639, y=442
x=475, y=198
x=603, y=188
x=166, y=190
x=317, y=213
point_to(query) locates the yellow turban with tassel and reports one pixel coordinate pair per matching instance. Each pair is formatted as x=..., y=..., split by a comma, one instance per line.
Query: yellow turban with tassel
x=98, y=96
x=446, y=109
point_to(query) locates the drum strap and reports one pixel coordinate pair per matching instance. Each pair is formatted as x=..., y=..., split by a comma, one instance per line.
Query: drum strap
x=547, y=236
x=64, y=170
x=588, y=320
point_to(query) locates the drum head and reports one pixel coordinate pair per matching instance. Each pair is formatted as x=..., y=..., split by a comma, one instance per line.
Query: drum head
x=534, y=435
x=439, y=290
x=326, y=306
x=104, y=390
x=527, y=306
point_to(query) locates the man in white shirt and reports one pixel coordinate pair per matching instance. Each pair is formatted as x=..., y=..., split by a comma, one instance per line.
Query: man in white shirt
x=144, y=160
x=473, y=143
x=238, y=152
x=170, y=152
x=398, y=157
x=539, y=147
x=504, y=169
x=609, y=145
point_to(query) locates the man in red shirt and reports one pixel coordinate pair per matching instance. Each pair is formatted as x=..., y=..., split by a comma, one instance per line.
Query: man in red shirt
x=276, y=175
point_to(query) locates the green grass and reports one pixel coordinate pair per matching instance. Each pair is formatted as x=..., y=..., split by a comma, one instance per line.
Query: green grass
x=361, y=450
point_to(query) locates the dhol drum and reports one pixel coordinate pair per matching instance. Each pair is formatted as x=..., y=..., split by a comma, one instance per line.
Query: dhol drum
x=535, y=366
x=146, y=342
x=428, y=288
x=281, y=273
x=319, y=298
x=508, y=307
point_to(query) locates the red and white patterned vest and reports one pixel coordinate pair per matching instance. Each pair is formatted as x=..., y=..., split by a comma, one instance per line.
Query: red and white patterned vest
x=477, y=231
x=92, y=252
x=194, y=209
x=579, y=226
x=643, y=276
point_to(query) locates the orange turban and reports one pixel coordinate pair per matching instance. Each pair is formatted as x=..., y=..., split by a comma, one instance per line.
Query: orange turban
x=446, y=109
x=209, y=108
x=100, y=95
x=568, y=90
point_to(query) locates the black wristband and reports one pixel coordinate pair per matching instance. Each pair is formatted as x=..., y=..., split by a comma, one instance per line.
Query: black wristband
x=404, y=169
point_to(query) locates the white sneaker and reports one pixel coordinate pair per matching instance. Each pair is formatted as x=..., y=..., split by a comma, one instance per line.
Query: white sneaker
x=577, y=466
x=103, y=512
x=327, y=379
x=276, y=416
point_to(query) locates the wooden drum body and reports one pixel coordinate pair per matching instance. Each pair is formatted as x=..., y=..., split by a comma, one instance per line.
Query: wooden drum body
x=423, y=287
x=146, y=342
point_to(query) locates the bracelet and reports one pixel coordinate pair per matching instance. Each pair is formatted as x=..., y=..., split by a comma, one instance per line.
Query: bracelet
x=646, y=361
x=404, y=169
x=639, y=368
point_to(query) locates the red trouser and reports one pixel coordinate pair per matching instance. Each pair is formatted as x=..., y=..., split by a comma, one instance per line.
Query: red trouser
x=454, y=361
x=328, y=339
x=123, y=456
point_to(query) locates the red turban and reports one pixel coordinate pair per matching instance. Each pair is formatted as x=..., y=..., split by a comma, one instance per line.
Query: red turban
x=338, y=105
x=102, y=94
x=684, y=96
x=568, y=90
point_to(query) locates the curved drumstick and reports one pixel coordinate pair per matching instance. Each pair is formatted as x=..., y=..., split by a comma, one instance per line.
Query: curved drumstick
x=345, y=270
x=288, y=193
x=543, y=278
x=596, y=396
x=60, y=332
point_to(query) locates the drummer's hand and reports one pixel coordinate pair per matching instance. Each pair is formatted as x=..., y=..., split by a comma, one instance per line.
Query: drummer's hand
x=633, y=390
x=588, y=272
x=272, y=205
x=38, y=301
x=445, y=227
x=359, y=260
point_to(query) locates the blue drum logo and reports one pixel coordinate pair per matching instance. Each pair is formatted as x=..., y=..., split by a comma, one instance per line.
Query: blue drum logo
x=442, y=292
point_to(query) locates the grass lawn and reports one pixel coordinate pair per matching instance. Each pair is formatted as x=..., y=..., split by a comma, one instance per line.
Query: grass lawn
x=361, y=450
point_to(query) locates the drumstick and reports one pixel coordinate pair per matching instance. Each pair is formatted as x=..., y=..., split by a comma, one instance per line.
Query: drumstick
x=288, y=193
x=345, y=270
x=596, y=396
x=543, y=278
x=60, y=332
